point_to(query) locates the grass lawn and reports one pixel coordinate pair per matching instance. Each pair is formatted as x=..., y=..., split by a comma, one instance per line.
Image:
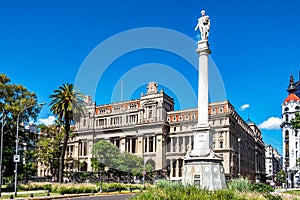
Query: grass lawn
x=294, y=192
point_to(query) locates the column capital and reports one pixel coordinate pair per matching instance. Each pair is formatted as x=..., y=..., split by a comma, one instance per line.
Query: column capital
x=203, y=47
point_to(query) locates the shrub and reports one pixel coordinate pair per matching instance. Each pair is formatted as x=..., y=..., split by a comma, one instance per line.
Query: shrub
x=241, y=184
x=35, y=186
x=223, y=194
x=272, y=197
x=261, y=187
x=117, y=186
x=163, y=191
x=73, y=188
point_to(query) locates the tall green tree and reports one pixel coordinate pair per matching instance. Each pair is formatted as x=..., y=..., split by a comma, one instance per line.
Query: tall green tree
x=49, y=147
x=109, y=155
x=66, y=104
x=281, y=177
x=13, y=99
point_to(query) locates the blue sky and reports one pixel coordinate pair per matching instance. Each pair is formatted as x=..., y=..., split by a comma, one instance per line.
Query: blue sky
x=255, y=46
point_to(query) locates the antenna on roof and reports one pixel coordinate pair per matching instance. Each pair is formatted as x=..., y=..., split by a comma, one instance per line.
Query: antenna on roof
x=249, y=120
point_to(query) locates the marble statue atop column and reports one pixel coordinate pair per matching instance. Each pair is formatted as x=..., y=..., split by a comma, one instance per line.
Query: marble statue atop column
x=203, y=25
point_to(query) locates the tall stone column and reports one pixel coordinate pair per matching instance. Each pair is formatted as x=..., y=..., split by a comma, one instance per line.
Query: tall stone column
x=203, y=134
x=203, y=52
x=202, y=167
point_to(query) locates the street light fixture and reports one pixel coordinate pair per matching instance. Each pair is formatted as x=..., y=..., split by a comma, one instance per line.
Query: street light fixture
x=17, y=156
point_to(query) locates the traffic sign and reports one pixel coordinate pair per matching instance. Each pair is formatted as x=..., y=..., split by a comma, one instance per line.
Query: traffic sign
x=16, y=158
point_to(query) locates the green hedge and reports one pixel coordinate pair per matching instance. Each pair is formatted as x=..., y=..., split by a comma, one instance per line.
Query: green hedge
x=35, y=186
x=261, y=187
x=72, y=188
x=69, y=188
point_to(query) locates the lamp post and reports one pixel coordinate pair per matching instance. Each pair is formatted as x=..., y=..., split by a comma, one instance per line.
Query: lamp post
x=239, y=143
x=17, y=156
x=100, y=180
x=286, y=178
x=144, y=167
x=100, y=161
x=1, y=154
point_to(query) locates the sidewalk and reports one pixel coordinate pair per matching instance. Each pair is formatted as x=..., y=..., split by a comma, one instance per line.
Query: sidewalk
x=44, y=197
x=24, y=192
x=58, y=196
x=287, y=196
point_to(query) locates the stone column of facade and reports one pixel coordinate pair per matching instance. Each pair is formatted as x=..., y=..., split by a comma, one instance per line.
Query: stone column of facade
x=176, y=144
x=177, y=168
x=160, y=152
x=147, y=146
x=140, y=145
x=123, y=145
x=130, y=145
x=183, y=148
x=171, y=144
x=190, y=142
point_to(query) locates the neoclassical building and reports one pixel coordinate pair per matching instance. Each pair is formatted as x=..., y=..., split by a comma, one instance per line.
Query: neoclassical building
x=149, y=127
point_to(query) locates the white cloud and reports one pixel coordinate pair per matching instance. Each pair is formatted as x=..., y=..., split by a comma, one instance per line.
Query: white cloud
x=48, y=121
x=245, y=106
x=273, y=123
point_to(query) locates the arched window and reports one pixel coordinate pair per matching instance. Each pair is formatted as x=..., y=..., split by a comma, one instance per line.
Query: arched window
x=213, y=111
x=221, y=145
x=287, y=108
x=221, y=109
x=286, y=117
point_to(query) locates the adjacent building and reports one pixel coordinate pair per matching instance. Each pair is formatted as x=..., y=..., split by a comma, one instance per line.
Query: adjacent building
x=149, y=127
x=291, y=138
x=273, y=163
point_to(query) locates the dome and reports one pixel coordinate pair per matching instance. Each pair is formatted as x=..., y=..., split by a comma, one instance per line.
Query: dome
x=292, y=97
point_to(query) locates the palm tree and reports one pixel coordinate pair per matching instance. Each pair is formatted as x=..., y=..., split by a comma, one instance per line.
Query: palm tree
x=66, y=104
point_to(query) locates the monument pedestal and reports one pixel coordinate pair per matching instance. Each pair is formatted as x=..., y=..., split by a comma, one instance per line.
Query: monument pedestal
x=203, y=168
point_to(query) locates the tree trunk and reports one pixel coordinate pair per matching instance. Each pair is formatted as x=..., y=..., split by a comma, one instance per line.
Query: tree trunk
x=63, y=151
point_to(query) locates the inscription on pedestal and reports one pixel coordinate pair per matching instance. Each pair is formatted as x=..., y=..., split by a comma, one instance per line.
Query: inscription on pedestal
x=197, y=180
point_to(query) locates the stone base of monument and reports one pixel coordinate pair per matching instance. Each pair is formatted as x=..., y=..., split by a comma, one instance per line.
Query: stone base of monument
x=203, y=168
x=204, y=173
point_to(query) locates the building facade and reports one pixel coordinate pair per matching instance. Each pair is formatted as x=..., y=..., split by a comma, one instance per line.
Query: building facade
x=273, y=163
x=291, y=138
x=149, y=127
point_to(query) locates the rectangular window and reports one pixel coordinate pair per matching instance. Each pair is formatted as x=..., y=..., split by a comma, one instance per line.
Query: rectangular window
x=150, y=113
x=150, y=144
x=118, y=143
x=134, y=145
x=145, y=144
